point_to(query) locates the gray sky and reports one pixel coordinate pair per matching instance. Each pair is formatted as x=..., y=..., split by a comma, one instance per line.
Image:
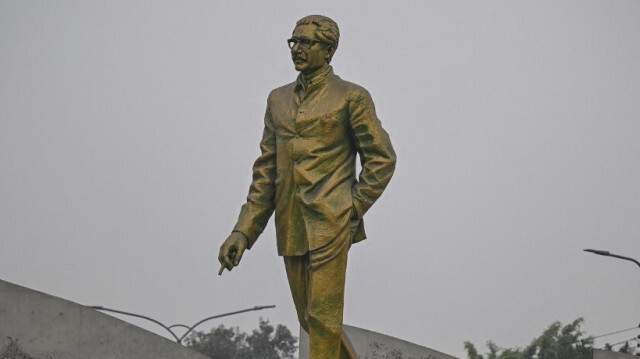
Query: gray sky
x=128, y=130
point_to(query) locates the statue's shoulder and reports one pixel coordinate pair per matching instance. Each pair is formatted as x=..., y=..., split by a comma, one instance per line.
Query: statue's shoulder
x=282, y=91
x=350, y=89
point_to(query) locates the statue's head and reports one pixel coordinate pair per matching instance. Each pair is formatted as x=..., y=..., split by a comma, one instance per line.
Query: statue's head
x=313, y=42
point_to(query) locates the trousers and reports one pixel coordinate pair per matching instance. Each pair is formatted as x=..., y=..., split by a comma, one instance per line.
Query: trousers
x=317, y=281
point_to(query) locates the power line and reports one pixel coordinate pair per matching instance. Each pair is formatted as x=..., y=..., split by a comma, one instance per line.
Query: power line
x=619, y=331
x=625, y=341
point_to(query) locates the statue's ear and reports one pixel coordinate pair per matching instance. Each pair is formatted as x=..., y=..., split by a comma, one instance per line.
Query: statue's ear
x=330, y=49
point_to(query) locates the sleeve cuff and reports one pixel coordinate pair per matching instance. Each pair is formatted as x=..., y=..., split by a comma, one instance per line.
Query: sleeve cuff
x=250, y=241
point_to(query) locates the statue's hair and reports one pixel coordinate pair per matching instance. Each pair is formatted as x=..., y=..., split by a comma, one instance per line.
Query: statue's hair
x=327, y=30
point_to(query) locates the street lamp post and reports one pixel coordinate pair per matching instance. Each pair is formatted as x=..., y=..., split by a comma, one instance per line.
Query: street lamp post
x=189, y=329
x=607, y=254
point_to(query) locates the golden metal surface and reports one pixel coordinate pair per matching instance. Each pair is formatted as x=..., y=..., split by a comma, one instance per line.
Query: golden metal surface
x=313, y=129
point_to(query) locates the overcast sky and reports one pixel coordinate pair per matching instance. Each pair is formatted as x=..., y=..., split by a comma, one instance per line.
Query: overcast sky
x=128, y=130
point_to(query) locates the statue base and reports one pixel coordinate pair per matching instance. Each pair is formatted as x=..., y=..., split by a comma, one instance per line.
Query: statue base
x=372, y=345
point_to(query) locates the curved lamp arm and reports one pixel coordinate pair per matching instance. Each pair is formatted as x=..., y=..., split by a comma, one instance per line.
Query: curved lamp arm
x=190, y=329
x=607, y=254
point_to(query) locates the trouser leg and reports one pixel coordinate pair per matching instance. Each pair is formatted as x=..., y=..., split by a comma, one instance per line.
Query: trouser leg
x=296, y=267
x=317, y=286
x=346, y=348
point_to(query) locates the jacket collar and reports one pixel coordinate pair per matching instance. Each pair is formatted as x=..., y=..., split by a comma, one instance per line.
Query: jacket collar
x=314, y=82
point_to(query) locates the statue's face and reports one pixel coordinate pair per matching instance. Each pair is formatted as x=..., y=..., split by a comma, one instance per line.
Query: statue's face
x=307, y=57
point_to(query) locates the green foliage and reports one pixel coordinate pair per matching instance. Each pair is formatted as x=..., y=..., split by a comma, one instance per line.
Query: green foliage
x=472, y=352
x=556, y=342
x=266, y=342
x=626, y=348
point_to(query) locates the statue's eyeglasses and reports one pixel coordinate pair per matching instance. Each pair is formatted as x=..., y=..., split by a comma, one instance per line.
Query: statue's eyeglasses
x=304, y=44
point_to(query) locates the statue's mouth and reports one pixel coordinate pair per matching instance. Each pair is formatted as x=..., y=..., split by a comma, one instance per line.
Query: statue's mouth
x=299, y=60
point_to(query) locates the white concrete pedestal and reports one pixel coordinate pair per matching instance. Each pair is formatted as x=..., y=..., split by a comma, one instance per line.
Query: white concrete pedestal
x=372, y=345
x=44, y=326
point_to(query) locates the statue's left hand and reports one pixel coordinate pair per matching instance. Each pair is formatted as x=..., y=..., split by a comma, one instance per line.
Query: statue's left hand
x=231, y=251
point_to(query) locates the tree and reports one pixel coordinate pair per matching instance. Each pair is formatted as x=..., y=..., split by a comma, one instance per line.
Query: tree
x=556, y=342
x=230, y=343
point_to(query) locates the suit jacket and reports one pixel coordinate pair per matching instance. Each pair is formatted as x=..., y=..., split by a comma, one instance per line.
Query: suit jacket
x=306, y=171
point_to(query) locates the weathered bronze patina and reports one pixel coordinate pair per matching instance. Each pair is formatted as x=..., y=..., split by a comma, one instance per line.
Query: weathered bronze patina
x=313, y=129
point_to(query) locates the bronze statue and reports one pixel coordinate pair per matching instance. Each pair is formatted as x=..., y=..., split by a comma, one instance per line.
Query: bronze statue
x=313, y=128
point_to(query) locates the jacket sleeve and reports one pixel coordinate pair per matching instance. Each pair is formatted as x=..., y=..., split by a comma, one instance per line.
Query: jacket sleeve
x=255, y=213
x=377, y=157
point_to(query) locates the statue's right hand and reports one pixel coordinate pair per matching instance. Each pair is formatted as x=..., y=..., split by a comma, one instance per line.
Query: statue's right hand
x=231, y=251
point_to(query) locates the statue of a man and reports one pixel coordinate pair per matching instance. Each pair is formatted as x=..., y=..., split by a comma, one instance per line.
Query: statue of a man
x=313, y=129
